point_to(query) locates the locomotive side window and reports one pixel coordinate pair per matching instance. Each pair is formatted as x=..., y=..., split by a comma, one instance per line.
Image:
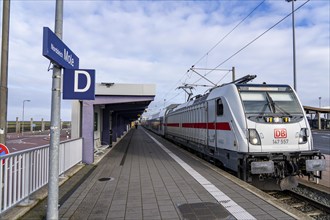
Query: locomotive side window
x=219, y=107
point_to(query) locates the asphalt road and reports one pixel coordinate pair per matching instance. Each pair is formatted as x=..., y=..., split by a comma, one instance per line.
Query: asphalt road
x=322, y=141
x=18, y=142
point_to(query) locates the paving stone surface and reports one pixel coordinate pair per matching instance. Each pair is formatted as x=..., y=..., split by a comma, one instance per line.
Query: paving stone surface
x=139, y=180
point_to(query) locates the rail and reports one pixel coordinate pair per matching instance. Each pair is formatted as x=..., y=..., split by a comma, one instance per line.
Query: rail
x=24, y=172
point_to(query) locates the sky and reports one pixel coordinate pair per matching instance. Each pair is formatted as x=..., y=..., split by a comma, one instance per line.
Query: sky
x=157, y=42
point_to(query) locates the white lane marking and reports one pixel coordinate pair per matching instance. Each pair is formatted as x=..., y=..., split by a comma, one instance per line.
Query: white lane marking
x=325, y=136
x=232, y=207
x=321, y=133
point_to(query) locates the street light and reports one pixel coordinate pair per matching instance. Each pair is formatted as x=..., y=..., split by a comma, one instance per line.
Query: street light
x=23, y=115
x=294, y=46
x=320, y=101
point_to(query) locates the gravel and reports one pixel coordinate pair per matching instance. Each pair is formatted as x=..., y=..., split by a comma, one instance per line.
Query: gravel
x=315, y=195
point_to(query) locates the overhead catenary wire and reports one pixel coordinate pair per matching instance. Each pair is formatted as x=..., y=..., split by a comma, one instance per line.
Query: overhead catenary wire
x=230, y=57
x=223, y=77
x=256, y=38
x=224, y=37
x=210, y=50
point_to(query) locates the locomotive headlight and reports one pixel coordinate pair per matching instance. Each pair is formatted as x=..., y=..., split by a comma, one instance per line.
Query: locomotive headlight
x=286, y=119
x=276, y=119
x=303, y=136
x=254, y=137
x=269, y=119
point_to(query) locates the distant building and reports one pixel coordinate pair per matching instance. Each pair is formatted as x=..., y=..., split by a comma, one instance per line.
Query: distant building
x=319, y=118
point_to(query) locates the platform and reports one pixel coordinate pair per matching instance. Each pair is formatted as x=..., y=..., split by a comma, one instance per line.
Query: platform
x=147, y=177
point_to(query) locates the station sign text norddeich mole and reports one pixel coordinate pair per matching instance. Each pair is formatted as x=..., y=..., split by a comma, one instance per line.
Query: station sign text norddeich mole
x=55, y=50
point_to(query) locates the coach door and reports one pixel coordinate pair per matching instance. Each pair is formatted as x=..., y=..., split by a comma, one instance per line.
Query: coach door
x=211, y=123
x=221, y=126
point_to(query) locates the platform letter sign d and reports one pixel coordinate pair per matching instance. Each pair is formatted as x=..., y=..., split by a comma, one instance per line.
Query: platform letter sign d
x=79, y=84
x=76, y=81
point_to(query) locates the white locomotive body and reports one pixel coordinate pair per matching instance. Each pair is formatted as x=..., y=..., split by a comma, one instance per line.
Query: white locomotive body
x=259, y=131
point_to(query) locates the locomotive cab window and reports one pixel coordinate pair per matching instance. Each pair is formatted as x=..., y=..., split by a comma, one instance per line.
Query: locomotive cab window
x=219, y=107
x=268, y=102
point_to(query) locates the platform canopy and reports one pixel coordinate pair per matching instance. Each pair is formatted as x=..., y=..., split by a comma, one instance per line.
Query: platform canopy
x=103, y=120
x=316, y=121
x=309, y=109
x=129, y=99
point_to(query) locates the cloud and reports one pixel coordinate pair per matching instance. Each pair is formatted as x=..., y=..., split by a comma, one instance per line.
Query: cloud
x=158, y=41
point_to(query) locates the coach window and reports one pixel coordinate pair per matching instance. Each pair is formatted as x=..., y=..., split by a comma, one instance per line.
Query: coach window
x=219, y=107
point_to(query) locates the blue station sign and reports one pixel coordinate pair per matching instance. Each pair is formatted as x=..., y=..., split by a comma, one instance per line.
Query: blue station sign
x=55, y=50
x=79, y=84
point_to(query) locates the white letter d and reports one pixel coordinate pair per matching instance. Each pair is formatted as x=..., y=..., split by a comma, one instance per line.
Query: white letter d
x=76, y=78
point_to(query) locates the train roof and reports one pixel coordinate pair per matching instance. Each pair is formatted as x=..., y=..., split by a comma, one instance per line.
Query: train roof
x=241, y=84
x=162, y=112
x=273, y=87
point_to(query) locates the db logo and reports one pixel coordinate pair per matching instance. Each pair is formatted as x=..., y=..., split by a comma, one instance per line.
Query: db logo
x=280, y=133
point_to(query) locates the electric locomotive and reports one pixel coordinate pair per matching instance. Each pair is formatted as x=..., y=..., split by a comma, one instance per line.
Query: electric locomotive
x=259, y=131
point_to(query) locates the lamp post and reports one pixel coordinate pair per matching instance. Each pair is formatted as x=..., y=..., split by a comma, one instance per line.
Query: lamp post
x=320, y=102
x=294, y=46
x=23, y=115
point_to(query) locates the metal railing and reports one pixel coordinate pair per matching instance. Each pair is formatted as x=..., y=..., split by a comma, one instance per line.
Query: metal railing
x=24, y=172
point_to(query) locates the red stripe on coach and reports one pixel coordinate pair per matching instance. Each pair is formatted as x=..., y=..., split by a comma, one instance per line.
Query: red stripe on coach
x=172, y=125
x=213, y=126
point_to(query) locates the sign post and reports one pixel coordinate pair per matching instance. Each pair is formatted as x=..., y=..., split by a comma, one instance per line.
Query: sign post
x=4, y=71
x=81, y=85
x=52, y=202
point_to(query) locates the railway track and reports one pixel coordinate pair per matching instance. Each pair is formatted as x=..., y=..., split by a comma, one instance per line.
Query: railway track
x=310, y=201
x=306, y=199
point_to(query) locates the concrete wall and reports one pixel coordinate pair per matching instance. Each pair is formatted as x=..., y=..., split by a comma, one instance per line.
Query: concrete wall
x=76, y=119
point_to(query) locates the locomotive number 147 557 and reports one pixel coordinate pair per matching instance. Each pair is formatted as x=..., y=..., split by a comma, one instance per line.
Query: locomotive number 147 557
x=280, y=136
x=280, y=141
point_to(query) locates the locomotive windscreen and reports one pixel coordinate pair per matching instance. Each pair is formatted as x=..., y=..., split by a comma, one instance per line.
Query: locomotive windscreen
x=269, y=101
